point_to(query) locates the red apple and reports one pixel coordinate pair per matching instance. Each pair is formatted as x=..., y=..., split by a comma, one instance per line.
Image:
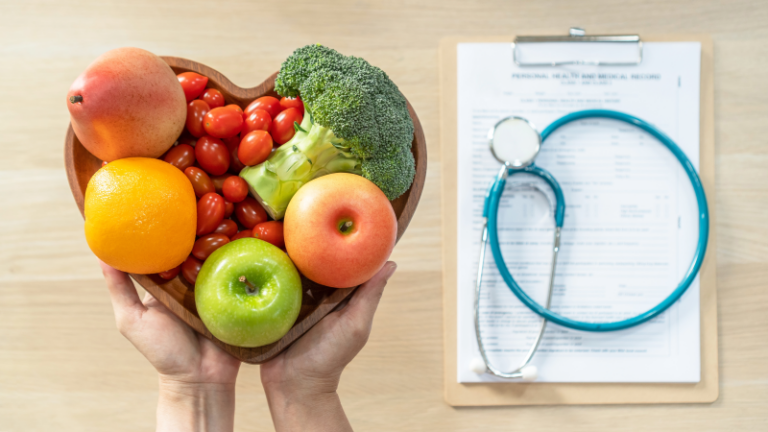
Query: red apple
x=340, y=230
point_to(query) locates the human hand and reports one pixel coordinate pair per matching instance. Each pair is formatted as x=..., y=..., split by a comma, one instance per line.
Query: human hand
x=197, y=378
x=301, y=382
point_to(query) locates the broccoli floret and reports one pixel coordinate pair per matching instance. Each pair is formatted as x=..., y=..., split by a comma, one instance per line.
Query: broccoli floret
x=393, y=174
x=356, y=120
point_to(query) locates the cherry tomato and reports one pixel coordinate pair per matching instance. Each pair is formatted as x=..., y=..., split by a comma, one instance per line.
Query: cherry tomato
x=223, y=122
x=237, y=108
x=192, y=83
x=196, y=112
x=182, y=156
x=228, y=227
x=282, y=127
x=255, y=148
x=170, y=274
x=229, y=208
x=270, y=232
x=267, y=103
x=204, y=246
x=256, y=120
x=231, y=142
x=214, y=98
x=210, y=213
x=235, y=166
x=201, y=183
x=218, y=182
x=235, y=189
x=188, y=139
x=212, y=155
x=249, y=212
x=296, y=102
x=190, y=268
x=246, y=233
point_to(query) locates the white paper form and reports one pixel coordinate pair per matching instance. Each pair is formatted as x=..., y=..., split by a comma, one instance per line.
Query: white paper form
x=630, y=226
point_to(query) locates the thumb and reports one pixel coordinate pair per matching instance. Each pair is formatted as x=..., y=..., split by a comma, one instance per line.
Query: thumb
x=364, y=302
x=125, y=299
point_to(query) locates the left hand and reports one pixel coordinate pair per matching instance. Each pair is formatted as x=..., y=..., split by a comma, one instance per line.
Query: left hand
x=300, y=383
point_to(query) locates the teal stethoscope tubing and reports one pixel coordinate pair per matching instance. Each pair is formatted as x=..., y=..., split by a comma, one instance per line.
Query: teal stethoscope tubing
x=491, y=208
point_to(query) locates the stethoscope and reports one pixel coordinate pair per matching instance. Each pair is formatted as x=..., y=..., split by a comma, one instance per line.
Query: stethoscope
x=515, y=143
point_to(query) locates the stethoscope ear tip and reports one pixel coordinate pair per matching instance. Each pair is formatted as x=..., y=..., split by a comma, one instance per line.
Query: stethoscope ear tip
x=526, y=373
x=478, y=366
x=529, y=373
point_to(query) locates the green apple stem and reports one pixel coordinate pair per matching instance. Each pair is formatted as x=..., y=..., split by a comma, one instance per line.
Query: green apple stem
x=250, y=287
x=75, y=99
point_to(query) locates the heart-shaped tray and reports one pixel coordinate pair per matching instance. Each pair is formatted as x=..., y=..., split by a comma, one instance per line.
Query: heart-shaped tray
x=178, y=295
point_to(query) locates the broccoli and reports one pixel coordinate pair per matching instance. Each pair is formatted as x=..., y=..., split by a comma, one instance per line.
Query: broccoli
x=355, y=121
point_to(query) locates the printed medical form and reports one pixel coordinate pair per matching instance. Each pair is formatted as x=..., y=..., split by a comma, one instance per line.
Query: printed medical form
x=630, y=225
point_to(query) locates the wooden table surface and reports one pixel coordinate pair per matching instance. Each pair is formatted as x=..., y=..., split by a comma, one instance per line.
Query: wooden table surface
x=64, y=366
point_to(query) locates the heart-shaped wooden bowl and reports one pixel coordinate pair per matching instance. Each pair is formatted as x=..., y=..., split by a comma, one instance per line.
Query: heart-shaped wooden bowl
x=178, y=295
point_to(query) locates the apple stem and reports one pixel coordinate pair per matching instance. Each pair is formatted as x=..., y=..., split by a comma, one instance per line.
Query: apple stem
x=75, y=99
x=249, y=286
x=346, y=226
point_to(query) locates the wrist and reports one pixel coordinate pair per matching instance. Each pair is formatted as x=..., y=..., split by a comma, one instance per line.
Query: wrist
x=301, y=388
x=308, y=407
x=195, y=406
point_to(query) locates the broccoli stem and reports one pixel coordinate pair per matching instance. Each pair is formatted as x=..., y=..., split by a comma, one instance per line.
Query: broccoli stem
x=313, y=151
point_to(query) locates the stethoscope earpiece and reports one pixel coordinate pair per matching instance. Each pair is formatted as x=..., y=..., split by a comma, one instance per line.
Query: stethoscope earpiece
x=526, y=373
x=478, y=366
x=530, y=373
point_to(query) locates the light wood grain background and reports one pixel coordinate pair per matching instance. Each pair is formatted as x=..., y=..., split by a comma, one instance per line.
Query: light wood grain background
x=64, y=366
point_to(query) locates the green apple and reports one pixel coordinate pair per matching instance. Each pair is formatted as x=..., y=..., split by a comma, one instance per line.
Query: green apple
x=248, y=293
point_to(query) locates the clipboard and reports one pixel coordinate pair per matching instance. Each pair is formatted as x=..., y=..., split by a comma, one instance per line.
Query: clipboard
x=520, y=393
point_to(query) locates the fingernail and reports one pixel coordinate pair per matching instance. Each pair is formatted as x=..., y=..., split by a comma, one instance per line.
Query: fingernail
x=391, y=267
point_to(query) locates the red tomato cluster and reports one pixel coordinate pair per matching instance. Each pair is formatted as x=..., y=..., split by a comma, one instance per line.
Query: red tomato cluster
x=220, y=140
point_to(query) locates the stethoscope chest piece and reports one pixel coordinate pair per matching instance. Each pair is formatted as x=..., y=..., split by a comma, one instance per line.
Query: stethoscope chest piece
x=514, y=141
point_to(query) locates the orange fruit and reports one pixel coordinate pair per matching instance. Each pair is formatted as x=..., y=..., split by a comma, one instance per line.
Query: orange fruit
x=140, y=215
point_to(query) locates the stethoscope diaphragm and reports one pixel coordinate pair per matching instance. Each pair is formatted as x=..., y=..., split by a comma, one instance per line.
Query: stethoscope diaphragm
x=514, y=141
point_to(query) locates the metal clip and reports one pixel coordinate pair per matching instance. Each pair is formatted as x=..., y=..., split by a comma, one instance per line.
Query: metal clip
x=576, y=34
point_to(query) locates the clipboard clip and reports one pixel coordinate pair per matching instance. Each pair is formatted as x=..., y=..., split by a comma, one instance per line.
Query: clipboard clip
x=576, y=34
